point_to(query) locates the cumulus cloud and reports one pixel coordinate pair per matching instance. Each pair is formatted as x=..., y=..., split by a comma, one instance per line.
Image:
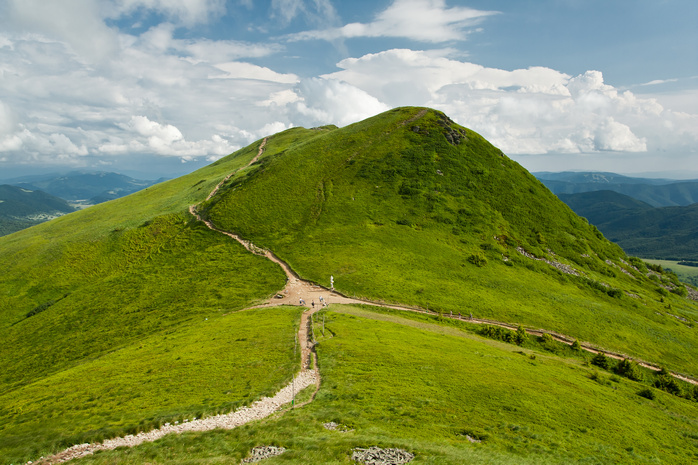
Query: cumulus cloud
x=420, y=20
x=70, y=21
x=324, y=101
x=237, y=70
x=525, y=111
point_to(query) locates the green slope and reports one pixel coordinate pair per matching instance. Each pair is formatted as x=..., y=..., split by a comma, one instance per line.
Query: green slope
x=98, y=305
x=409, y=382
x=408, y=207
x=126, y=315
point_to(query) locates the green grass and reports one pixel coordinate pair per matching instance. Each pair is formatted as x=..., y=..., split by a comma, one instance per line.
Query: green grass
x=423, y=386
x=92, y=301
x=210, y=366
x=404, y=216
x=98, y=305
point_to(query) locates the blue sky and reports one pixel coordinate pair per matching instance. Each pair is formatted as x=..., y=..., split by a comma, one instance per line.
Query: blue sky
x=160, y=87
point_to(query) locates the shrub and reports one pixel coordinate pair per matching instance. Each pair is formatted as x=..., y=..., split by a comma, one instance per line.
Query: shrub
x=647, y=394
x=595, y=376
x=601, y=361
x=629, y=369
x=576, y=345
x=477, y=259
x=669, y=384
x=615, y=293
x=497, y=332
x=680, y=290
x=638, y=263
x=521, y=335
x=693, y=393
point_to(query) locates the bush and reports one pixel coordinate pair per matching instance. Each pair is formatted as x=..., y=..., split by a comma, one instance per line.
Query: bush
x=629, y=369
x=576, y=345
x=615, y=293
x=548, y=343
x=638, y=263
x=680, y=290
x=601, y=361
x=497, y=332
x=693, y=393
x=477, y=259
x=521, y=335
x=669, y=384
x=647, y=394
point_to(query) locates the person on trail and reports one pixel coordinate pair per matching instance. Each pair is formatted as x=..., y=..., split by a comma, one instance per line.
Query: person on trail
x=459, y=316
x=320, y=298
x=471, y=315
x=450, y=314
x=312, y=303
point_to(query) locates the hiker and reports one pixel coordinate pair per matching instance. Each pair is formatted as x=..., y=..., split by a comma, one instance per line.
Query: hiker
x=459, y=316
x=320, y=298
x=450, y=314
x=312, y=303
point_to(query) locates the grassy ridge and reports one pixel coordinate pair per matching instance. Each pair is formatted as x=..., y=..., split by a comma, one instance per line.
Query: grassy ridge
x=423, y=387
x=81, y=295
x=395, y=210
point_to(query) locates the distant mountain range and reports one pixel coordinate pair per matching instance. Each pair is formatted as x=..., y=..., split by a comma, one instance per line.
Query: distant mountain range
x=648, y=217
x=655, y=192
x=30, y=200
x=21, y=208
x=89, y=187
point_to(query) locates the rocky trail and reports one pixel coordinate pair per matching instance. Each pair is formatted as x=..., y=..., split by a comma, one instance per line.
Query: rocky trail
x=297, y=292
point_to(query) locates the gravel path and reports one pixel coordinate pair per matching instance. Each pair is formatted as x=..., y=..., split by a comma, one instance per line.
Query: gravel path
x=258, y=410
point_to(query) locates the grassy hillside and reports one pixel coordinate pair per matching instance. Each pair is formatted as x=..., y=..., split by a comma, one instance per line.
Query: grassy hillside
x=129, y=314
x=409, y=207
x=658, y=233
x=100, y=305
x=410, y=382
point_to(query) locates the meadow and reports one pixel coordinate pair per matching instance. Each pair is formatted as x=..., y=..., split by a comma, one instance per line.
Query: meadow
x=412, y=382
x=108, y=314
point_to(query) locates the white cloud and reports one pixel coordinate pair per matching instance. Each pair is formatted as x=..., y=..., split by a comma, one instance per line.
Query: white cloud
x=421, y=20
x=238, y=70
x=76, y=22
x=524, y=111
x=328, y=101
